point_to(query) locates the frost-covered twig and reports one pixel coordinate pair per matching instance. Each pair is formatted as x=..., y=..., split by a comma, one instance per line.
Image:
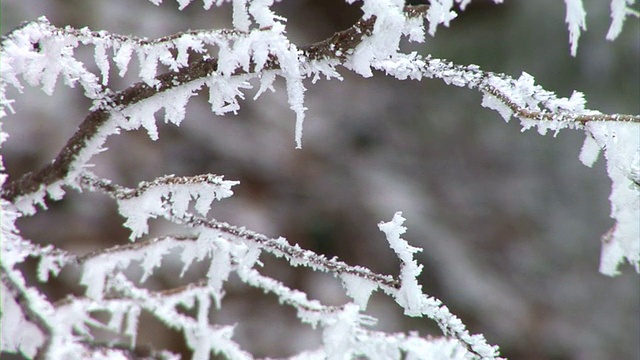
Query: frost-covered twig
x=406, y=292
x=279, y=247
x=24, y=298
x=315, y=58
x=108, y=290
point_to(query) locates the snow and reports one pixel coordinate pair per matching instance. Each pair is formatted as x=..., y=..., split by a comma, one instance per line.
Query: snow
x=491, y=102
x=338, y=336
x=18, y=334
x=358, y=289
x=621, y=145
x=267, y=79
x=410, y=294
x=440, y=12
x=131, y=330
x=102, y=61
x=576, y=21
x=148, y=59
x=260, y=10
x=590, y=151
x=154, y=198
x=123, y=57
x=219, y=268
x=619, y=12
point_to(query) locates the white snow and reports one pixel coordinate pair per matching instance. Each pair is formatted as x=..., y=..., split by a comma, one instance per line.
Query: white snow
x=590, y=151
x=619, y=13
x=621, y=144
x=358, y=289
x=576, y=21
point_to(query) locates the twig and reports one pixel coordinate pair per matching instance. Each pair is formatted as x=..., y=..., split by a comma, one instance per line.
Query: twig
x=337, y=47
x=18, y=293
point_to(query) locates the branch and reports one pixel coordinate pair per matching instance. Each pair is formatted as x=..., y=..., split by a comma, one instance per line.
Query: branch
x=336, y=48
x=61, y=166
x=92, y=124
x=21, y=296
x=429, y=306
x=120, y=257
x=278, y=247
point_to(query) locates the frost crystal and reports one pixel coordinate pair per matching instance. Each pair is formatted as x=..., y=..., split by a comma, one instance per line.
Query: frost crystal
x=440, y=12
x=619, y=12
x=18, y=334
x=590, y=151
x=491, y=102
x=156, y=198
x=358, y=289
x=621, y=145
x=576, y=21
x=410, y=294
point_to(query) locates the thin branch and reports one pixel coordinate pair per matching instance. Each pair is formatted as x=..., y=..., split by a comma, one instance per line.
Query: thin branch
x=61, y=166
x=432, y=308
x=90, y=127
x=337, y=47
x=524, y=113
x=276, y=246
x=19, y=294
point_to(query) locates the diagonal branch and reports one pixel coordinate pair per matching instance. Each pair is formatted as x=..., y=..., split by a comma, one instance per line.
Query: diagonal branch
x=21, y=295
x=61, y=166
x=338, y=47
x=278, y=247
x=431, y=307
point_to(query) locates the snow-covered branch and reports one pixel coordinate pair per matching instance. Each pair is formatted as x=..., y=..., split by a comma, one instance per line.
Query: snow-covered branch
x=237, y=249
x=501, y=92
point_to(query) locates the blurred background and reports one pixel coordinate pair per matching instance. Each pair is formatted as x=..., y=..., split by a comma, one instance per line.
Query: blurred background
x=510, y=222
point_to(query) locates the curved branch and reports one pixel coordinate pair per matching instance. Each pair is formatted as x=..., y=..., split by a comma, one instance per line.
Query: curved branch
x=278, y=247
x=60, y=167
x=90, y=127
x=338, y=47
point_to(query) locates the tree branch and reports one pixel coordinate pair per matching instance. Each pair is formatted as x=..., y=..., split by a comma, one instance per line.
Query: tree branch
x=278, y=247
x=337, y=47
x=432, y=308
x=19, y=294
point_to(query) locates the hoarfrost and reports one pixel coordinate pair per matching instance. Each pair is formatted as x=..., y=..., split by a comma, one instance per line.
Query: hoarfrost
x=410, y=294
x=576, y=21
x=338, y=337
x=259, y=47
x=157, y=197
x=621, y=145
x=440, y=12
x=619, y=12
x=219, y=268
x=491, y=102
x=18, y=334
x=122, y=57
x=590, y=151
x=358, y=289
